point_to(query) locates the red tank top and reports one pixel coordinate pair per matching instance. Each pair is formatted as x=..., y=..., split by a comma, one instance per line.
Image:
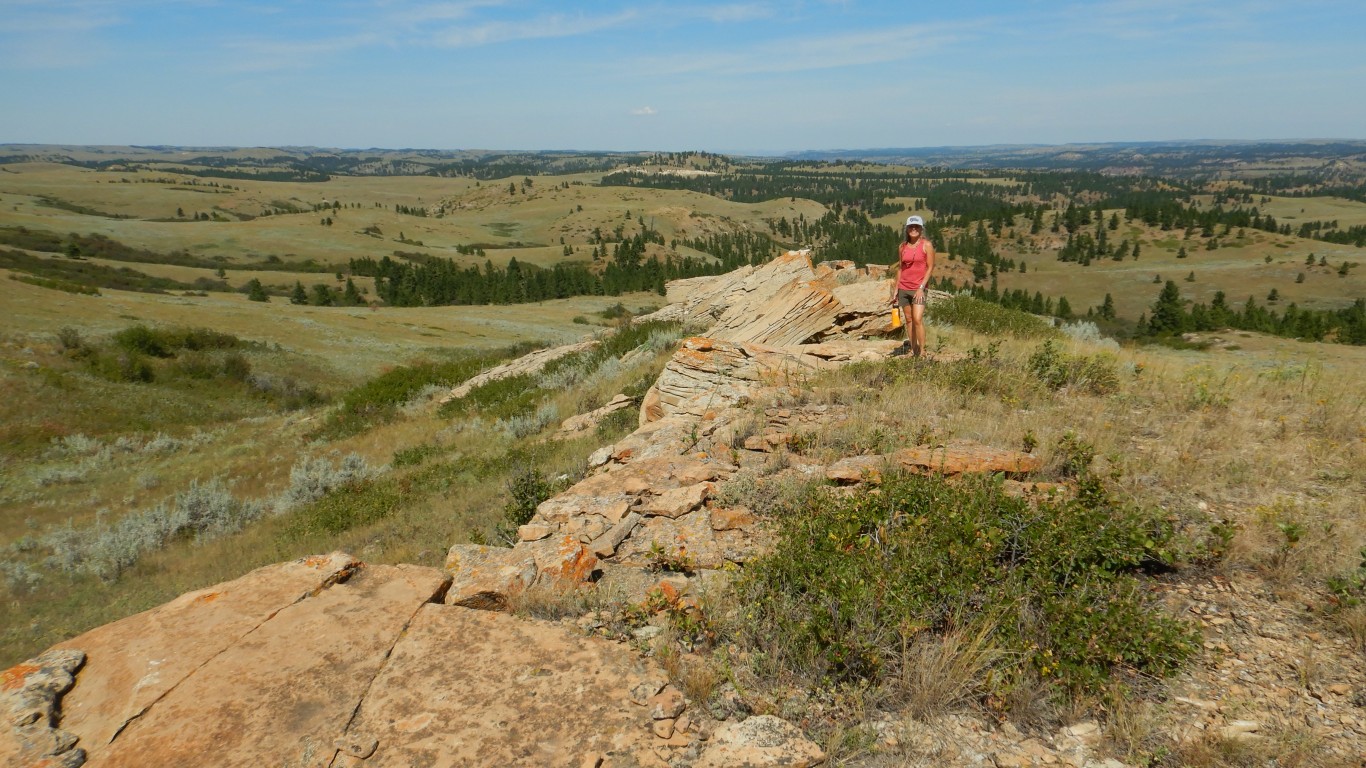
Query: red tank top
x=914, y=265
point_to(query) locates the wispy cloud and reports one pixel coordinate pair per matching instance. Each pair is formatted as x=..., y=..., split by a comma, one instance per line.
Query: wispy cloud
x=798, y=54
x=1157, y=19
x=727, y=14
x=270, y=55
x=541, y=27
x=53, y=35
x=644, y=111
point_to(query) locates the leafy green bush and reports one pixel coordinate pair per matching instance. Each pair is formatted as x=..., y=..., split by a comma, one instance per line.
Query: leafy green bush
x=1097, y=374
x=617, y=423
x=855, y=577
x=142, y=340
x=364, y=502
x=377, y=401
x=615, y=312
x=527, y=488
x=985, y=317
x=499, y=399
x=414, y=455
x=122, y=366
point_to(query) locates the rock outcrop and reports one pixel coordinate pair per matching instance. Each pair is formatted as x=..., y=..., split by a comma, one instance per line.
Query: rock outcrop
x=327, y=661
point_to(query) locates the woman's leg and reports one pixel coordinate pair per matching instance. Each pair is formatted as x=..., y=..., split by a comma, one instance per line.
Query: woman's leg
x=915, y=327
x=906, y=325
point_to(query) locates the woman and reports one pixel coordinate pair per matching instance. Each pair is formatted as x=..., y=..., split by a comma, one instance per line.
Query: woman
x=914, y=266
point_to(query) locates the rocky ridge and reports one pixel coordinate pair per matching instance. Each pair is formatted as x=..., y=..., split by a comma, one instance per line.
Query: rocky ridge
x=327, y=661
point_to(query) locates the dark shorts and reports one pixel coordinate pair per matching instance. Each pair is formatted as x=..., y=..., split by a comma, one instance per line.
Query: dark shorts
x=905, y=298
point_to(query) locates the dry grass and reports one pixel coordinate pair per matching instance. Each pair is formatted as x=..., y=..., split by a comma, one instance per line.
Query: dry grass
x=1352, y=621
x=1136, y=729
x=1282, y=746
x=456, y=494
x=941, y=673
x=1270, y=442
x=528, y=226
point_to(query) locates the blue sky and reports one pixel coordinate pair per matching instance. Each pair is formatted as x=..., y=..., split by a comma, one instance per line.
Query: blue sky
x=764, y=76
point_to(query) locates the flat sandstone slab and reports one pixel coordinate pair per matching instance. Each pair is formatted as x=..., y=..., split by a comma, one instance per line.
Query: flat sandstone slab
x=133, y=662
x=474, y=688
x=283, y=694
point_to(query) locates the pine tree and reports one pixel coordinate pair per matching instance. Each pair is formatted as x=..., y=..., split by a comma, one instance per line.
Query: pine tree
x=351, y=296
x=256, y=291
x=1064, y=308
x=1107, y=308
x=1169, y=316
x=299, y=296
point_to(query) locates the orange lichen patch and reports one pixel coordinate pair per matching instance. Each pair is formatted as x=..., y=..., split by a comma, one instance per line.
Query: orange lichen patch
x=316, y=561
x=15, y=676
x=668, y=592
x=700, y=343
x=573, y=562
x=207, y=597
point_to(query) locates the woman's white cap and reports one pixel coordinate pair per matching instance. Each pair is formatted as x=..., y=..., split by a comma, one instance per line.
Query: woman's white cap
x=916, y=220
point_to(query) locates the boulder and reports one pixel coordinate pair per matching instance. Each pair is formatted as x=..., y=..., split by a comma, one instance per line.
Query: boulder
x=606, y=545
x=562, y=560
x=487, y=577
x=30, y=696
x=677, y=502
x=707, y=375
x=961, y=457
x=761, y=741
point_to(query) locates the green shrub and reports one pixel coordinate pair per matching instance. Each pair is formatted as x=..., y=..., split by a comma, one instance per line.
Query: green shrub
x=196, y=365
x=163, y=342
x=499, y=399
x=615, y=311
x=142, y=340
x=1055, y=369
x=377, y=401
x=122, y=366
x=72, y=342
x=617, y=423
x=362, y=503
x=985, y=317
x=414, y=455
x=527, y=488
x=855, y=577
x=1074, y=455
